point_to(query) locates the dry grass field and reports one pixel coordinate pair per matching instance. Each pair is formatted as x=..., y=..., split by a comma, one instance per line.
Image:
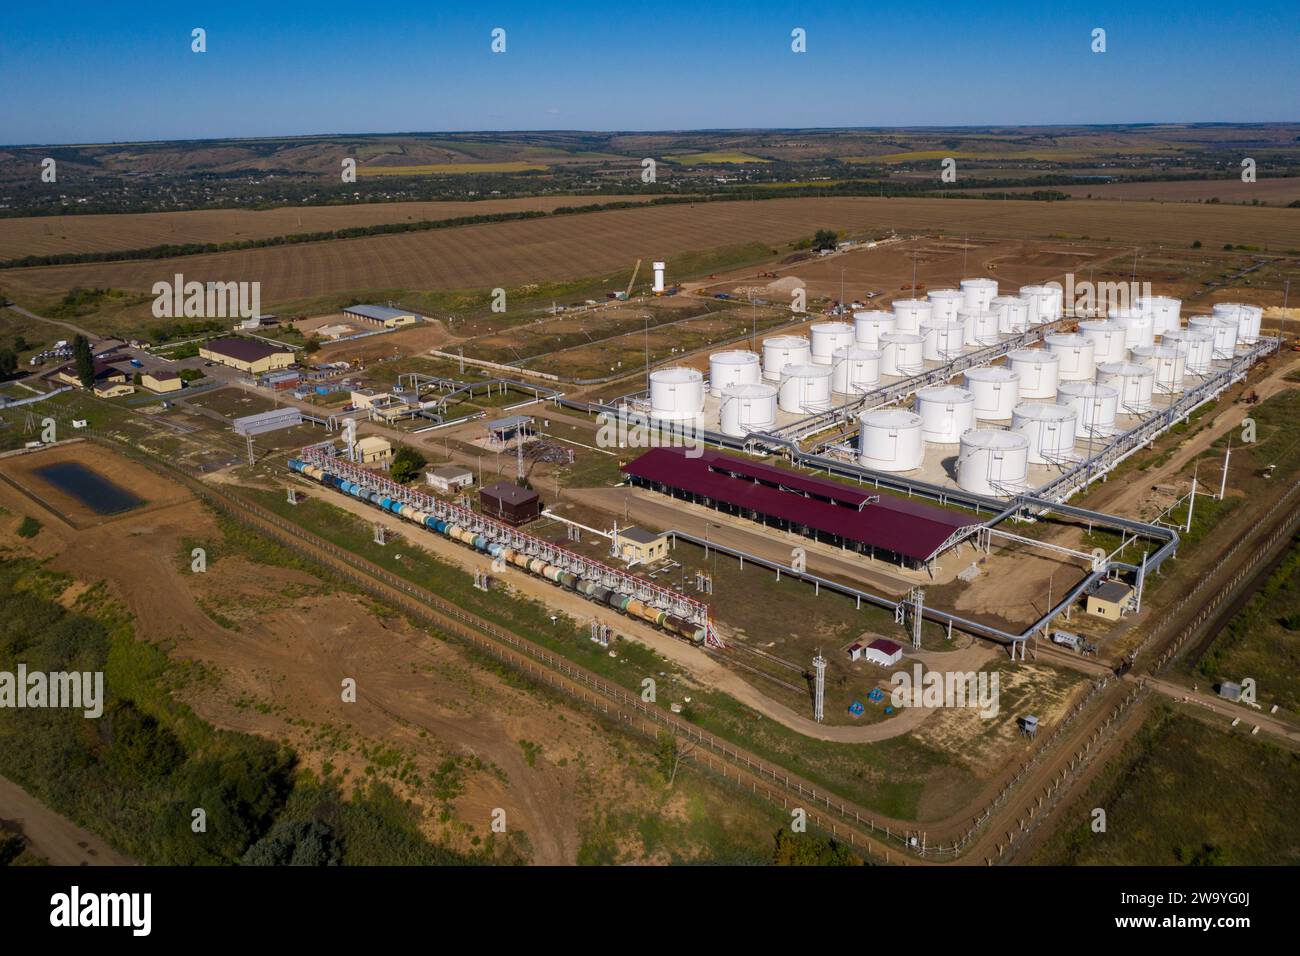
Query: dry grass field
x=51, y=235
x=1279, y=191
x=514, y=253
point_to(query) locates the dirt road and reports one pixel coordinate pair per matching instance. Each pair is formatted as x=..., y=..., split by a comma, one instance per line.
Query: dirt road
x=53, y=836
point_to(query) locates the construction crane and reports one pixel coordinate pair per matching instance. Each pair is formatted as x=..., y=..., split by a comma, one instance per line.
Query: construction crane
x=632, y=281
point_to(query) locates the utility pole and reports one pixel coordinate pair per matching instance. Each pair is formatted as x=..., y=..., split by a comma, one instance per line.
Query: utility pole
x=819, y=691
x=1223, y=482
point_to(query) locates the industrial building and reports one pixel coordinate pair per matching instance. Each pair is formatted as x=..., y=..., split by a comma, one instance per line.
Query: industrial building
x=1109, y=601
x=883, y=652
x=162, y=381
x=449, y=478
x=247, y=355
x=882, y=525
x=510, y=503
x=380, y=316
x=374, y=450
x=637, y=546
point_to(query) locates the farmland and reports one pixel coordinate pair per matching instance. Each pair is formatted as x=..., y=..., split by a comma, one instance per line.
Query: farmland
x=450, y=169
x=50, y=235
x=516, y=253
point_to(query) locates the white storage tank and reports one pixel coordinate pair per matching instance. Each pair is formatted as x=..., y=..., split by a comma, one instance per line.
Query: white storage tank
x=805, y=388
x=1013, y=313
x=676, y=393
x=1094, y=405
x=782, y=350
x=1138, y=327
x=945, y=302
x=1247, y=317
x=1166, y=313
x=1197, y=346
x=855, y=369
x=997, y=391
x=1049, y=428
x=1167, y=362
x=1040, y=301
x=978, y=294
x=1223, y=328
x=993, y=461
x=1109, y=340
x=1135, y=384
x=733, y=367
x=868, y=326
x=942, y=339
x=901, y=354
x=1077, y=356
x=910, y=313
x=889, y=439
x=981, y=325
x=747, y=408
x=1055, y=300
x=946, y=412
x=1039, y=371
x=827, y=337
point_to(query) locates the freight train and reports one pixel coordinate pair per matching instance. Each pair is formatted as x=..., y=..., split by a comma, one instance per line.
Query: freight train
x=588, y=588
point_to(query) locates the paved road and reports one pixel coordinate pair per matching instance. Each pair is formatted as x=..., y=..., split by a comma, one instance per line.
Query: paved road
x=52, y=836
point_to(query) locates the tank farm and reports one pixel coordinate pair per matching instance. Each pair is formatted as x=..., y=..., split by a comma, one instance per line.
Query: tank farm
x=602, y=584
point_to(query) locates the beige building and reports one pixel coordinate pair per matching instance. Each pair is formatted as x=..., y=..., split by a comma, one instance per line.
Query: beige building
x=449, y=478
x=1109, y=601
x=113, y=389
x=638, y=546
x=161, y=381
x=373, y=450
x=379, y=316
x=247, y=355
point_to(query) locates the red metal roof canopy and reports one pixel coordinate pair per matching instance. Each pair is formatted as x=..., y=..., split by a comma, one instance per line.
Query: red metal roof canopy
x=910, y=528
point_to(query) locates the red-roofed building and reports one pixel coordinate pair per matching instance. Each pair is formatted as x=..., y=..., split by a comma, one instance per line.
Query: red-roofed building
x=883, y=652
x=883, y=525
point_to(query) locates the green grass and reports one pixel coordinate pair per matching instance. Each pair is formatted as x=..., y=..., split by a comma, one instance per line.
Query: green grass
x=1185, y=792
x=29, y=527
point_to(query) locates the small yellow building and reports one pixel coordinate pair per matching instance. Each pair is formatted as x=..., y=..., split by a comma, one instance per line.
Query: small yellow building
x=638, y=546
x=373, y=450
x=162, y=381
x=247, y=355
x=113, y=389
x=1109, y=601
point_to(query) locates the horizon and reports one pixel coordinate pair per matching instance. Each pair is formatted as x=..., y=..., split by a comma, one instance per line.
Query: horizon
x=286, y=72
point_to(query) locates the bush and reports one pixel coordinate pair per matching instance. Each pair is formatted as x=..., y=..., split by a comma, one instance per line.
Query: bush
x=29, y=528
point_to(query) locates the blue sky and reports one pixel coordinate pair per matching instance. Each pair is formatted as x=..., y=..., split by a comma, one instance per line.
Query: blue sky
x=81, y=72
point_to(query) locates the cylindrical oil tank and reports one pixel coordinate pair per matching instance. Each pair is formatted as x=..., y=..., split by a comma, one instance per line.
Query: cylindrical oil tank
x=1055, y=301
x=945, y=303
x=1134, y=382
x=1049, y=428
x=901, y=353
x=1167, y=362
x=993, y=461
x=1197, y=347
x=1013, y=313
x=1224, y=328
x=997, y=391
x=855, y=369
x=676, y=394
x=1109, y=340
x=946, y=412
x=733, y=367
x=805, y=388
x=978, y=294
x=1039, y=371
x=827, y=337
x=1139, y=329
x=981, y=326
x=782, y=350
x=1077, y=356
x=889, y=439
x=747, y=408
x=910, y=313
x=867, y=327
x=1040, y=301
x=942, y=339
x=1246, y=317
x=1166, y=313
x=1095, y=405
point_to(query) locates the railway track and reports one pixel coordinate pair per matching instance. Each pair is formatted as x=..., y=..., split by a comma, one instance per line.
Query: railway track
x=889, y=840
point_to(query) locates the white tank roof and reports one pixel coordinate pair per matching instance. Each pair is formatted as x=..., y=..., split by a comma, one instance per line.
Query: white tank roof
x=994, y=438
x=676, y=374
x=1045, y=412
x=1034, y=356
x=1086, y=390
x=890, y=418
x=734, y=357
x=945, y=393
x=786, y=341
x=992, y=373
